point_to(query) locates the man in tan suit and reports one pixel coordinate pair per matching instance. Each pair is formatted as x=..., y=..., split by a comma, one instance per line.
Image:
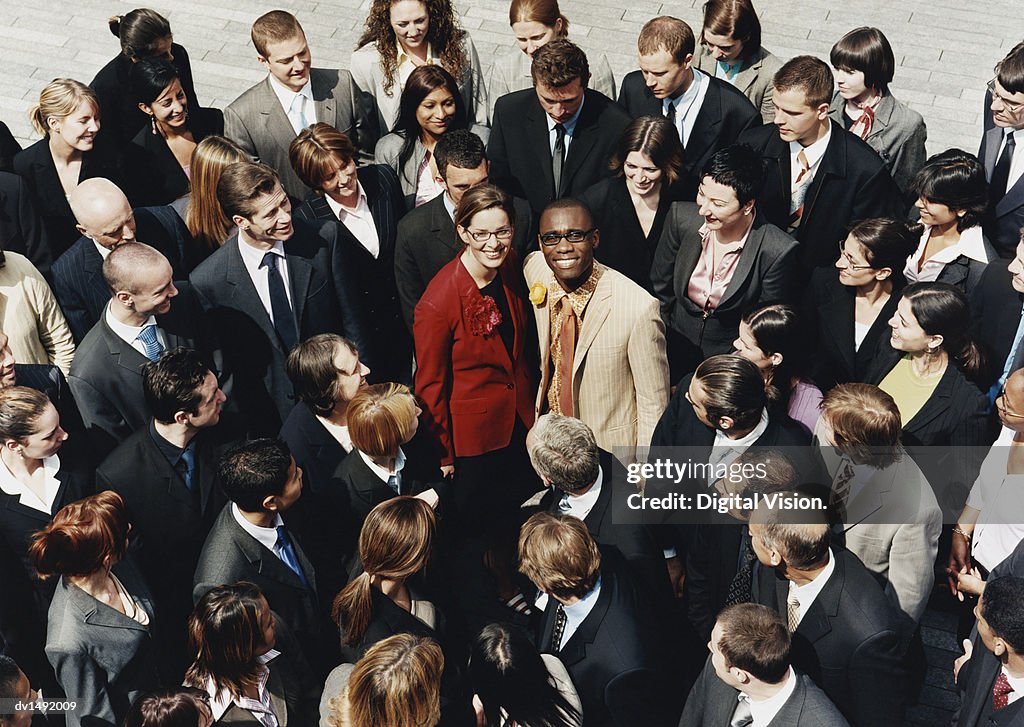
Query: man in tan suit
x=602, y=342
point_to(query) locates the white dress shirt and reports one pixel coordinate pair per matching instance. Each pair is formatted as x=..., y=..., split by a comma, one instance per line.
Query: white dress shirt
x=339, y=432
x=130, y=334
x=43, y=502
x=1016, y=684
x=358, y=221
x=290, y=103
x=267, y=537
x=764, y=710
x=1017, y=164
x=570, y=129
x=103, y=251
x=971, y=244
x=814, y=153
x=252, y=258
x=688, y=105
x=1000, y=525
x=807, y=593
x=579, y=506
x=262, y=709
x=726, y=450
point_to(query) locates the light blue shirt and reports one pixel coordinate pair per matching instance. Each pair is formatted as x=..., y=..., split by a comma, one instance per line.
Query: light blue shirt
x=570, y=129
x=578, y=612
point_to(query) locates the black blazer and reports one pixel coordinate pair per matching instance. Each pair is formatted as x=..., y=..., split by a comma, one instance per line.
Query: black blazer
x=389, y=345
x=36, y=167
x=1004, y=220
x=850, y=184
x=624, y=246
x=829, y=315
x=154, y=173
x=520, y=153
x=847, y=642
x=314, y=449
x=711, y=565
x=724, y=114
x=765, y=272
x=9, y=146
x=78, y=274
x=975, y=682
x=426, y=242
x=996, y=309
x=323, y=295
x=20, y=227
x=122, y=117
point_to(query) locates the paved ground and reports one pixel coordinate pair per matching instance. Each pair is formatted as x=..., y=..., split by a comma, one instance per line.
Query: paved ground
x=945, y=51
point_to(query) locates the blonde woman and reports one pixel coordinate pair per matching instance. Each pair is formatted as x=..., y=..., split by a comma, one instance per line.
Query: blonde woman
x=200, y=210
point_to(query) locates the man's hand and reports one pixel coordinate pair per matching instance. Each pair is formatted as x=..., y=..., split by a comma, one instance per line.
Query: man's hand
x=961, y=660
x=959, y=562
x=676, y=574
x=447, y=470
x=971, y=583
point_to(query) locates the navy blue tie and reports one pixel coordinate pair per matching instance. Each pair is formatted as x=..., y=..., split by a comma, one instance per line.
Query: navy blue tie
x=284, y=319
x=188, y=458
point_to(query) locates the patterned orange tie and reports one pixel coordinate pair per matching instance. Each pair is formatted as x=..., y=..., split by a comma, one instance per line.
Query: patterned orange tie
x=567, y=349
x=799, y=191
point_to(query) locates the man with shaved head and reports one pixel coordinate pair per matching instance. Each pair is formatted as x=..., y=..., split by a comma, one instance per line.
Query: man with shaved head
x=141, y=320
x=106, y=220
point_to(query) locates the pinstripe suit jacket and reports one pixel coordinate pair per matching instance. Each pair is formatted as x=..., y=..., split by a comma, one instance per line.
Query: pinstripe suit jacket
x=620, y=380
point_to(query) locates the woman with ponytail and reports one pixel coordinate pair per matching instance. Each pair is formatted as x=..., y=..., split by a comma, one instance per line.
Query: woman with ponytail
x=98, y=635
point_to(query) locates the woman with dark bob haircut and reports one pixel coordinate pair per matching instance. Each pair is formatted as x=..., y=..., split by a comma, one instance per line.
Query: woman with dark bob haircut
x=847, y=307
x=952, y=197
x=513, y=684
x=180, y=707
x=430, y=107
x=718, y=258
x=731, y=50
x=864, y=64
x=630, y=208
x=106, y=659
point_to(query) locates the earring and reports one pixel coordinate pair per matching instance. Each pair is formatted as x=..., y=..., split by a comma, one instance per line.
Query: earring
x=152, y=120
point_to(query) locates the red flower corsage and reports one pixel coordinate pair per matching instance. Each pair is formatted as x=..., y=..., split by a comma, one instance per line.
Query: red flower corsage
x=483, y=316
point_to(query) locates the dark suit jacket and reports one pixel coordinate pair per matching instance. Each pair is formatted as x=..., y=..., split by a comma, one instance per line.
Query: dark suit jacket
x=426, y=242
x=1004, y=221
x=975, y=682
x=323, y=298
x=996, y=309
x=36, y=167
x=614, y=657
x=20, y=227
x=122, y=117
x=766, y=271
x=520, y=153
x=389, y=345
x=711, y=566
x=850, y=184
x=624, y=246
x=847, y=642
x=101, y=656
x=9, y=146
x=712, y=702
x=724, y=114
x=829, y=317
x=49, y=380
x=78, y=274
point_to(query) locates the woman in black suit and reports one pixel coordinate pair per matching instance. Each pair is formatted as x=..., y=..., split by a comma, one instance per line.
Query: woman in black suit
x=71, y=151
x=365, y=204
x=718, y=258
x=143, y=33
x=161, y=153
x=847, y=309
x=630, y=208
x=100, y=622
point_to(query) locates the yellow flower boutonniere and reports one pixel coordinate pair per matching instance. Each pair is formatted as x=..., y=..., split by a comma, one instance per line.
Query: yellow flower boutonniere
x=538, y=294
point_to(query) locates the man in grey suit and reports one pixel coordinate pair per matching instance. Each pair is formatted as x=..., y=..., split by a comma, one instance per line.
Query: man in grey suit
x=998, y=149
x=748, y=675
x=265, y=119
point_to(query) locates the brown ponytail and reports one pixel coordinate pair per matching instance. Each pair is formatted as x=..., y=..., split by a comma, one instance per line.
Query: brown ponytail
x=81, y=536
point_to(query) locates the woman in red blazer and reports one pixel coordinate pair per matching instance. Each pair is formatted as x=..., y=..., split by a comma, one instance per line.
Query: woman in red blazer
x=473, y=339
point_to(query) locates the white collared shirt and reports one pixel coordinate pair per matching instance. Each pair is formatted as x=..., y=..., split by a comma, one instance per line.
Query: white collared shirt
x=688, y=105
x=807, y=593
x=996, y=494
x=287, y=97
x=384, y=474
x=262, y=709
x=358, y=221
x=576, y=613
x=764, y=710
x=971, y=244
x=103, y=251
x=1017, y=164
x=404, y=66
x=252, y=258
x=267, y=537
x=579, y=506
x=814, y=153
x=130, y=334
x=726, y=450
x=51, y=485
x=1016, y=684
x=570, y=129
x=339, y=432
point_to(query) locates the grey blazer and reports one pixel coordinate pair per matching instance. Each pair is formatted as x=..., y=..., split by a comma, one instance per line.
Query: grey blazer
x=898, y=134
x=257, y=122
x=103, y=659
x=754, y=80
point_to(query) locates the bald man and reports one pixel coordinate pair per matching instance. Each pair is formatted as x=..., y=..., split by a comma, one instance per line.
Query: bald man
x=143, y=318
x=106, y=220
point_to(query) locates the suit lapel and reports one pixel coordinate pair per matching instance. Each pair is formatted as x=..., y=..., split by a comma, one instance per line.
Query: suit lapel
x=575, y=649
x=748, y=74
x=124, y=355
x=273, y=116
x=594, y=316
x=243, y=295
x=469, y=293
x=937, y=404
x=299, y=272
x=705, y=126
x=833, y=163
x=537, y=137
x=841, y=314
x=442, y=226
x=583, y=138
x=323, y=100
x=749, y=253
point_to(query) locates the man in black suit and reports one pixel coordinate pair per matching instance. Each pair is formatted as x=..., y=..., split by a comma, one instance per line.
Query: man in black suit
x=844, y=628
x=249, y=542
x=165, y=472
x=143, y=318
x=20, y=228
x=998, y=147
x=554, y=140
x=708, y=113
x=749, y=671
x=821, y=178
x=105, y=220
x=990, y=672
x=596, y=623
x=426, y=240
x=276, y=282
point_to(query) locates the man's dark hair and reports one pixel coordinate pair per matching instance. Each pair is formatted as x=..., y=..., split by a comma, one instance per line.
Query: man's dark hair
x=9, y=675
x=459, y=148
x=734, y=388
x=172, y=383
x=568, y=203
x=559, y=63
x=252, y=471
x=755, y=639
x=1010, y=70
x=739, y=167
x=1002, y=607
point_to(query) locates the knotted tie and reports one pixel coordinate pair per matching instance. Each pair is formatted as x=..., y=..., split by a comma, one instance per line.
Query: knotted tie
x=150, y=342
x=1001, y=172
x=188, y=458
x=841, y=487
x=558, y=629
x=739, y=588
x=558, y=159
x=792, y=612
x=799, y=191
x=284, y=319
x=567, y=349
x=742, y=716
x=286, y=552
x=670, y=113
x=862, y=126
x=1001, y=691
x=297, y=115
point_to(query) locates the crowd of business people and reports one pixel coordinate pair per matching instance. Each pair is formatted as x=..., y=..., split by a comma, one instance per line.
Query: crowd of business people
x=315, y=408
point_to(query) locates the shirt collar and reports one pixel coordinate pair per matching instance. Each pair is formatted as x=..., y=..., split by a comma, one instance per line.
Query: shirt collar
x=706, y=236
x=806, y=593
x=267, y=537
x=747, y=440
x=570, y=125
x=380, y=471
x=764, y=710
x=253, y=257
x=170, y=451
x=11, y=486
x=221, y=699
x=287, y=96
x=971, y=244
x=361, y=210
x=404, y=57
x=579, y=297
x=815, y=151
x=448, y=205
x=123, y=330
x=103, y=251
x=687, y=96
x=577, y=612
x=581, y=505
